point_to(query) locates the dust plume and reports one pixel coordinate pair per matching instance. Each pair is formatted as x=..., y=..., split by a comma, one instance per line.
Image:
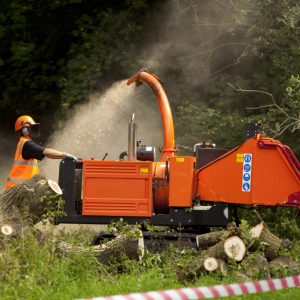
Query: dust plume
x=101, y=126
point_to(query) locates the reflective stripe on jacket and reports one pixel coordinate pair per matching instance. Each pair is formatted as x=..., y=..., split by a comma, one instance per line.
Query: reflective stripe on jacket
x=22, y=169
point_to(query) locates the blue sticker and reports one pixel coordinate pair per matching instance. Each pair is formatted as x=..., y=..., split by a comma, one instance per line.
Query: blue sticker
x=246, y=176
x=246, y=186
x=247, y=158
x=247, y=167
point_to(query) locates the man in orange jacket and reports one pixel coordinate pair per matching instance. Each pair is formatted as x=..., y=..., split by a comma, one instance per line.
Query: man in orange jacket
x=28, y=152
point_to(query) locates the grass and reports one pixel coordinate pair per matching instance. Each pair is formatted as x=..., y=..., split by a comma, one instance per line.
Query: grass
x=35, y=270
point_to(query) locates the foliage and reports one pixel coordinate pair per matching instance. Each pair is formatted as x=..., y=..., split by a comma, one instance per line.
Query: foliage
x=201, y=122
x=53, y=52
x=35, y=270
x=56, y=210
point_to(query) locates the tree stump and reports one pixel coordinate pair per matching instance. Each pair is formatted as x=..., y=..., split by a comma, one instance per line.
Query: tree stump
x=24, y=205
x=273, y=243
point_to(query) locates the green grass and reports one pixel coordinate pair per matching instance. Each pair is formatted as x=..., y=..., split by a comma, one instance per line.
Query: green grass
x=35, y=270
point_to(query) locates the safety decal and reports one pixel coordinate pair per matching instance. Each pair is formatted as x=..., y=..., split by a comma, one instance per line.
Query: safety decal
x=247, y=166
x=240, y=157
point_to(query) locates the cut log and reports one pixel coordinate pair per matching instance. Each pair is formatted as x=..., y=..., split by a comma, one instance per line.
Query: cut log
x=212, y=238
x=235, y=248
x=283, y=265
x=24, y=205
x=210, y=264
x=209, y=239
x=222, y=266
x=263, y=235
x=216, y=251
x=232, y=247
x=116, y=250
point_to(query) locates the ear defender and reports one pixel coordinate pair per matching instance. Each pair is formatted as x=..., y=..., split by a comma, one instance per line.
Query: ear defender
x=25, y=131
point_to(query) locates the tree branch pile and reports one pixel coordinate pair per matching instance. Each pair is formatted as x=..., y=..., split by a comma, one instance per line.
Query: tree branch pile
x=251, y=254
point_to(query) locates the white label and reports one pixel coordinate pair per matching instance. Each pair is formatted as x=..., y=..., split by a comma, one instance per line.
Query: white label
x=247, y=167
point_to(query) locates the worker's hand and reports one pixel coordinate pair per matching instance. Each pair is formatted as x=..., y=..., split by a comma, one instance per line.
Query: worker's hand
x=70, y=156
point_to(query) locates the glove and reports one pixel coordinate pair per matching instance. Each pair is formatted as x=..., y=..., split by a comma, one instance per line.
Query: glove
x=70, y=156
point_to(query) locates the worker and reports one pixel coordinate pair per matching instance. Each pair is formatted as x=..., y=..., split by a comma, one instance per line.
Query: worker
x=28, y=152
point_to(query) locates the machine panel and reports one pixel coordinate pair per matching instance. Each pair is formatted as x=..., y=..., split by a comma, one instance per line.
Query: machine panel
x=117, y=188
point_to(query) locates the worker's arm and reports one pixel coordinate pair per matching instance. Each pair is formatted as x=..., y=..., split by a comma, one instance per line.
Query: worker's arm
x=51, y=153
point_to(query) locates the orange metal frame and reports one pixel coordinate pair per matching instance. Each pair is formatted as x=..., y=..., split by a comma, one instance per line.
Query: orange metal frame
x=259, y=172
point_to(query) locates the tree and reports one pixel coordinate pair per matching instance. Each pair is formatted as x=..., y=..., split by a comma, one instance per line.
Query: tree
x=54, y=51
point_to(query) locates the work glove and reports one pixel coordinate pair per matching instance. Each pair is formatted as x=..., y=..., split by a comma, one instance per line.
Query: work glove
x=70, y=156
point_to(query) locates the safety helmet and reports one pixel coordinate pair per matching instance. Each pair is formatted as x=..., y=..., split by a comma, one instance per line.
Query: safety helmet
x=27, y=121
x=23, y=121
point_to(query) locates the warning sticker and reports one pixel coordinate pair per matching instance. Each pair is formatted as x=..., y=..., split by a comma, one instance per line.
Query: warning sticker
x=247, y=166
x=240, y=157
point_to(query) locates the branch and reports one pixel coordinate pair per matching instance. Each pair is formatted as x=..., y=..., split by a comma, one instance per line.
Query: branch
x=235, y=63
x=295, y=121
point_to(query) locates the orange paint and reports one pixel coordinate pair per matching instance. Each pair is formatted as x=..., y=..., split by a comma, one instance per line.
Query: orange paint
x=181, y=181
x=273, y=177
x=117, y=188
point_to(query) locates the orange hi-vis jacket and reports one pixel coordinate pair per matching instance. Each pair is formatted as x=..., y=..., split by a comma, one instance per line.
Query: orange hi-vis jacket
x=22, y=169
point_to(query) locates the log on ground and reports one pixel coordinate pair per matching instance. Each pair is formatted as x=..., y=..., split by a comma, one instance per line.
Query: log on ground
x=211, y=264
x=283, y=265
x=24, y=205
x=121, y=248
x=271, y=242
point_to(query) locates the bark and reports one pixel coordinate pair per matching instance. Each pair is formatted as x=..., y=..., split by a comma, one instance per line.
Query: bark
x=222, y=266
x=212, y=238
x=209, y=239
x=216, y=251
x=263, y=235
x=232, y=247
x=121, y=248
x=24, y=205
x=283, y=264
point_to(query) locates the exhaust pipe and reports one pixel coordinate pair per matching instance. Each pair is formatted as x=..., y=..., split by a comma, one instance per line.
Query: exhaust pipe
x=132, y=139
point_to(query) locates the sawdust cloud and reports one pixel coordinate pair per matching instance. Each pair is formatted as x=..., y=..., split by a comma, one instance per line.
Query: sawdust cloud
x=101, y=126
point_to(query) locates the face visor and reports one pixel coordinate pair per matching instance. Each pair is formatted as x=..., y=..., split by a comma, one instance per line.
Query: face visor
x=34, y=129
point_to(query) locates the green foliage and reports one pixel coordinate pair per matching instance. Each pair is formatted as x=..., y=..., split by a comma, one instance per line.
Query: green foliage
x=35, y=270
x=283, y=222
x=56, y=210
x=197, y=123
x=53, y=52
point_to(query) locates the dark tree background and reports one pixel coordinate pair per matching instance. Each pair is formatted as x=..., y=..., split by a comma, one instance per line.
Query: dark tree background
x=56, y=54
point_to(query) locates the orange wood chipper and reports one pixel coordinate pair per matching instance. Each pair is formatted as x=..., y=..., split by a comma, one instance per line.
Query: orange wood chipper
x=193, y=192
